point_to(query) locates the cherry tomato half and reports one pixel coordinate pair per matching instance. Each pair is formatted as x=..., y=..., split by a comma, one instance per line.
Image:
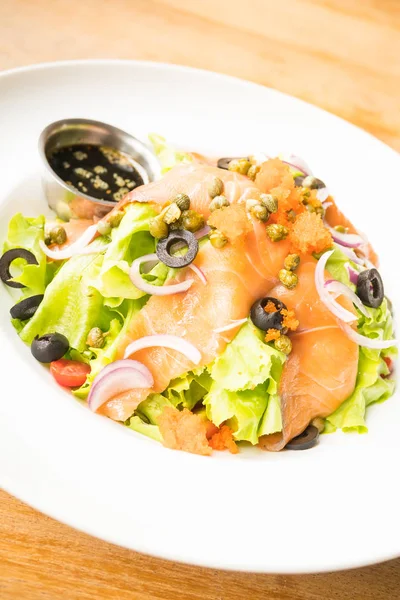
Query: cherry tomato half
x=69, y=373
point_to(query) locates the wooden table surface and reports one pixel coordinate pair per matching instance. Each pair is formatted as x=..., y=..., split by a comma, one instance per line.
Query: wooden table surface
x=343, y=55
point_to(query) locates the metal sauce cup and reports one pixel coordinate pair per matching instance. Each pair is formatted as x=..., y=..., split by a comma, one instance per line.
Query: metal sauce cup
x=67, y=201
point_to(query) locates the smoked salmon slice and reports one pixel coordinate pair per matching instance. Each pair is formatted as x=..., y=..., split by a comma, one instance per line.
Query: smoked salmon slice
x=320, y=372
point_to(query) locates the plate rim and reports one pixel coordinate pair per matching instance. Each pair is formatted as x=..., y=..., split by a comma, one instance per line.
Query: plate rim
x=183, y=68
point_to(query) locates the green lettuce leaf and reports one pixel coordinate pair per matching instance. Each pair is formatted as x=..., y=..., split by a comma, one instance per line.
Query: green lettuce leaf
x=167, y=155
x=25, y=232
x=129, y=240
x=188, y=390
x=372, y=385
x=103, y=356
x=71, y=306
x=245, y=385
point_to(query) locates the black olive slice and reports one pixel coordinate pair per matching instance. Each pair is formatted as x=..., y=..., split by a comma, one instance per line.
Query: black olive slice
x=177, y=236
x=305, y=440
x=26, y=308
x=223, y=163
x=265, y=320
x=370, y=288
x=49, y=347
x=5, y=263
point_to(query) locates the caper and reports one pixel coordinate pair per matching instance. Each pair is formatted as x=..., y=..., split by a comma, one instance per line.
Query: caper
x=218, y=239
x=283, y=344
x=58, y=235
x=239, y=165
x=291, y=262
x=171, y=213
x=218, y=202
x=215, y=187
x=319, y=423
x=95, y=338
x=259, y=212
x=291, y=215
x=47, y=239
x=277, y=232
x=182, y=201
x=288, y=278
x=313, y=183
x=157, y=228
x=115, y=219
x=192, y=220
x=318, y=209
x=270, y=202
x=341, y=229
x=253, y=171
x=103, y=228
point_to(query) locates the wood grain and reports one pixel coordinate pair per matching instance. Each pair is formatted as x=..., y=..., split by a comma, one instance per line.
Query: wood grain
x=343, y=55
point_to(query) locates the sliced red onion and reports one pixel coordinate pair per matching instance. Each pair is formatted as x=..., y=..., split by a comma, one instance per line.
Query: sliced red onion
x=165, y=341
x=148, y=288
x=199, y=273
x=348, y=240
x=298, y=163
x=352, y=255
x=353, y=274
x=367, y=342
x=121, y=376
x=202, y=232
x=323, y=194
x=340, y=289
x=334, y=307
x=230, y=326
x=76, y=248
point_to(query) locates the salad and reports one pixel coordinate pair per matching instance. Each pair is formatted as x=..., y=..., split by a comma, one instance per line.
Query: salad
x=228, y=302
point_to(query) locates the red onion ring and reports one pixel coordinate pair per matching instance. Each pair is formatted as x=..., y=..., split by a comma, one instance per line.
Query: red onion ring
x=367, y=342
x=230, y=326
x=353, y=274
x=351, y=254
x=199, y=273
x=323, y=194
x=165, y=341
x=154, y=290
x=298, y=163
x=340, y=289
x=348, y=240
x=334, y=307
x=121, y=376
x=76, y=248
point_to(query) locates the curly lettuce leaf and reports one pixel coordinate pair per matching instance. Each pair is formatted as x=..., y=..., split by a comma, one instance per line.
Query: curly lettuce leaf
x=245, y=385
x=372, y=383
x=129, y=240
x=167, y=155
x=101, y=357
x=188, y=390
x=25, y=232
x=71, y=306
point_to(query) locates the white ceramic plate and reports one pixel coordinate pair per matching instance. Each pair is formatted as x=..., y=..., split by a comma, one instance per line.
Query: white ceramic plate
x=333, y=507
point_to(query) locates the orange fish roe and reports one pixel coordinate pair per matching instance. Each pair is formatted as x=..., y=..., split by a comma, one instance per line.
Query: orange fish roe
x=272, y=334
x=224, y=439
x=182, y=430
x=276, y=178
x=231, y=220
x=289, y=319
x=270, y=307
x=309, y=235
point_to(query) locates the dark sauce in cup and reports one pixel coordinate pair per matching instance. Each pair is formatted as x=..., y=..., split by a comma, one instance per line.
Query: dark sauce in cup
x=98, y=171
